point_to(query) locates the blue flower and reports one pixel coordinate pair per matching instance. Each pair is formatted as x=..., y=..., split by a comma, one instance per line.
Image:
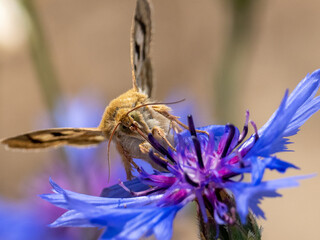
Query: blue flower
x=18, y=223
x=86, y=164
x=208, y=165
x=28, y=218
x=24, y=221
x=125, y=218
x=83, y=110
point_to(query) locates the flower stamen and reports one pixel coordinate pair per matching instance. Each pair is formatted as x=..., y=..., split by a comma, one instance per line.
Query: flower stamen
x=161, y=162
x=159, y=147
x=256, y=136
x=190, y=181
x=195, y=140
x=229, y=139
x=245, y=128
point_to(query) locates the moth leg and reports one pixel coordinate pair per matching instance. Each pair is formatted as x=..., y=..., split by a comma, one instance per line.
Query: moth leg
x=145, y=148
x=126, y=160
x=175, y=125
x=138, y=121
x=164, y=110
x=158, y=133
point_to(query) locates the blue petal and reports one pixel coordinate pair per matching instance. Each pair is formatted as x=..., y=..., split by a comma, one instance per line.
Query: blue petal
x=72, y=218
x=279, y=165
x=249, y=196
x=129, y=218
x=153, y=220
x=58, y=198
x=183, y=140
x=19, y=221
x=302, y=115
x=163, y=230
x=216, y=130
x=256, y=166
x=291, y=114
x=125, y=223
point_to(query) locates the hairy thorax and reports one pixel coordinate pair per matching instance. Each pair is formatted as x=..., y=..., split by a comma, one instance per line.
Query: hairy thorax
x=123, y=111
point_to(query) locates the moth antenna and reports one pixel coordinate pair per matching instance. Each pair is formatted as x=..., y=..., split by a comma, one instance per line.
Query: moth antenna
x=108, y=152
x=152, y=104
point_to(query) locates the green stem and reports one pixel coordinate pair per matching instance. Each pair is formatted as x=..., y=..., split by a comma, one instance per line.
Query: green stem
x=41, y=59
x=234, y=59
x=47, y=79
x=237, y=231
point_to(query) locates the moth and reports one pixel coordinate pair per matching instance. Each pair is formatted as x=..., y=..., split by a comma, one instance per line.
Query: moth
x=129, y=118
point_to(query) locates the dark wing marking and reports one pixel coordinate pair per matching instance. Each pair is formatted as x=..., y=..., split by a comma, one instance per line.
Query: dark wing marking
x=140, y=48
x=56, y=137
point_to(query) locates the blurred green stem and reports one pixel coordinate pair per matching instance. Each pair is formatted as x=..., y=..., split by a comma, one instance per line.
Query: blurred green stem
x=41, y=58
x=229, y=78
x=231, y=71
x=42, y=63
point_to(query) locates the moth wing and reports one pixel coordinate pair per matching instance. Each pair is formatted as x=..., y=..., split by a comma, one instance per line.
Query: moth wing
x=141, y=31
x=56, y=137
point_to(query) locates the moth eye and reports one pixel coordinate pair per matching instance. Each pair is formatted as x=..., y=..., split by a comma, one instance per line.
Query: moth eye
x=124, y=128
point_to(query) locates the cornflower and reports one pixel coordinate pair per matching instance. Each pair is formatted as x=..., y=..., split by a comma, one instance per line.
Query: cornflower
x=208, y=167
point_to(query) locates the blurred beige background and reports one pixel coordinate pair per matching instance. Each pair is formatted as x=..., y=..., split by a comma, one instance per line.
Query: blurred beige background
x=89, y=43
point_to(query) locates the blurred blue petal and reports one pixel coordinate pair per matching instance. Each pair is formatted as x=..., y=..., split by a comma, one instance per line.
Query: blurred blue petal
x=17, y=223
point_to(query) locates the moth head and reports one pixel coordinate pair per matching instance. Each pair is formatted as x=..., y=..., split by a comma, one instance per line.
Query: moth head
x=127, y=120
x=127, y=123
x=119, y=111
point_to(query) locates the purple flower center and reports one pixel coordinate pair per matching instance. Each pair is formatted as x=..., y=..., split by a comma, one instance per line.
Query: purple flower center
x=198, y=168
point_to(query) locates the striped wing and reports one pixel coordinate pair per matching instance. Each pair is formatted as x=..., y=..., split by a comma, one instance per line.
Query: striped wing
x=140, y=48
x=56, y=137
